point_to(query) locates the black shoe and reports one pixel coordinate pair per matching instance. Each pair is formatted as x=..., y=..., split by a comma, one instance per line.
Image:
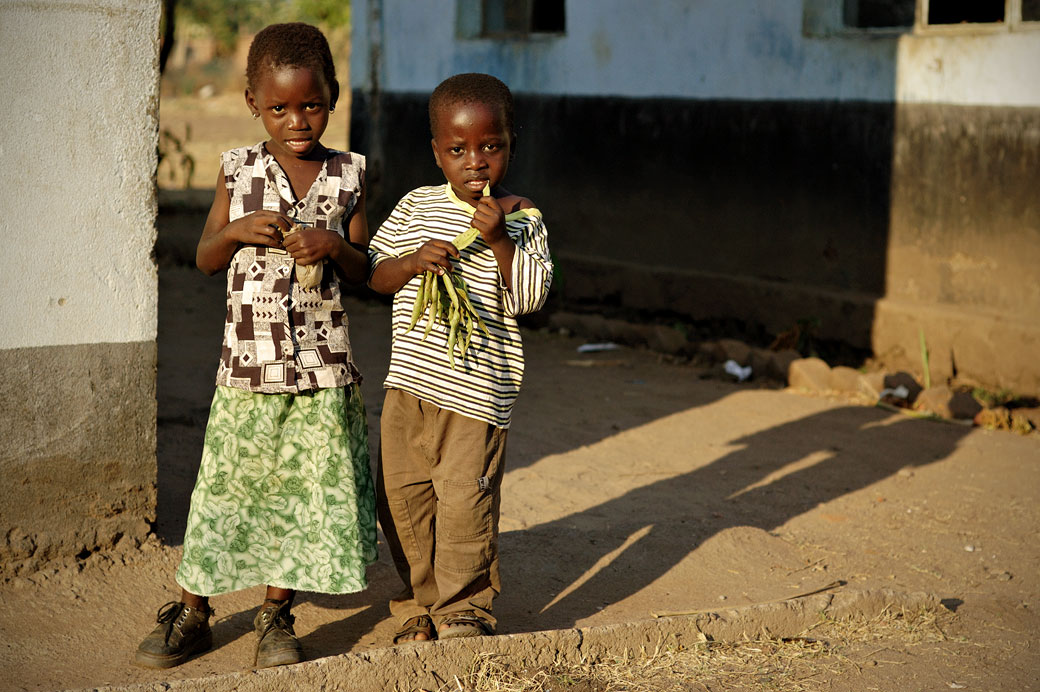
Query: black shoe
x=182, y=632
x=276, y=642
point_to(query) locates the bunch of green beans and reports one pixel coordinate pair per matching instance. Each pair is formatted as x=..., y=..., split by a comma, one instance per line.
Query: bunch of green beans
x=450, y=306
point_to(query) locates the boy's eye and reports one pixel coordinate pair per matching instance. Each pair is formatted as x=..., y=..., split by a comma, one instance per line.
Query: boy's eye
x=455, y=150
x=492, y=147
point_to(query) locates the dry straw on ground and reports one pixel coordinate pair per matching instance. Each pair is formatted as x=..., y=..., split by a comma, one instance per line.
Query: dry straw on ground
x=796, y=664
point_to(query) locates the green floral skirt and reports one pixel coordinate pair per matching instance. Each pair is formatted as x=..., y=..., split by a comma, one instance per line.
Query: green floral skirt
x=284, y=495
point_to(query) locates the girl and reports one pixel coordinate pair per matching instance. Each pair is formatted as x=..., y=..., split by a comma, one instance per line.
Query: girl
x=284, y=495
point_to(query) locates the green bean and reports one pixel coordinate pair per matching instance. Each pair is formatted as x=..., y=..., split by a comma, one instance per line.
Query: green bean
x=420, y=302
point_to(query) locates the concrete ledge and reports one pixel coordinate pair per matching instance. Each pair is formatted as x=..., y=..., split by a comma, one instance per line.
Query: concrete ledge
x=427, y=665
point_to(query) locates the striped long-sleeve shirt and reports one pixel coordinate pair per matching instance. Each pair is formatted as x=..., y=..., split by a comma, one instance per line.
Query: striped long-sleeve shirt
x=486, y=382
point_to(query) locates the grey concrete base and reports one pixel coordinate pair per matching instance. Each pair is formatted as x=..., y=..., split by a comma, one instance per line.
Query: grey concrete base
x=992, y=350
x=77, y=450
x=428, y=665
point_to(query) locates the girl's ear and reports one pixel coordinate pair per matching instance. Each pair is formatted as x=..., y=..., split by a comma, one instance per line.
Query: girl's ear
x=333, y=94
x=251, y=102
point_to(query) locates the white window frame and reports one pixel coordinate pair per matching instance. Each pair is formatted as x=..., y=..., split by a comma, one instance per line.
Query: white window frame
x=1012, y=22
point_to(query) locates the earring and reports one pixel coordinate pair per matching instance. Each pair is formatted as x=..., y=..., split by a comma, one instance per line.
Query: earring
x=255, y=116
x=332, y=110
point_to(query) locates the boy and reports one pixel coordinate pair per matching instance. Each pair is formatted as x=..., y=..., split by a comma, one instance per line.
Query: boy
x=443, y=427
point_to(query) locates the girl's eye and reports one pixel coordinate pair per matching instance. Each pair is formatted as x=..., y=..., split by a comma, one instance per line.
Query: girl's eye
x=278, y=109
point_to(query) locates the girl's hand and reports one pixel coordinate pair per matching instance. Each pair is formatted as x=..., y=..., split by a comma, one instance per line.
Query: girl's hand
x=311, y=245
x=490, y=220
x=263, y=228
x=433, y=256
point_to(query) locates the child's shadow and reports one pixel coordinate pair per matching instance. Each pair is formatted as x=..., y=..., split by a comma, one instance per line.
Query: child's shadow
x=770, y=477
x=341, y=635
x=230, y=628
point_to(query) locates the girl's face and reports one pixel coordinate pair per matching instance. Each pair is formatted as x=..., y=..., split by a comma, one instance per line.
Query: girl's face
x=472, y=147
x=293, y=103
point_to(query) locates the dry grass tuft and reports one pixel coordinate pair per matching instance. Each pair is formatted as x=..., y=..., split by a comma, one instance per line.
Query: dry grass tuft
x=796, y=664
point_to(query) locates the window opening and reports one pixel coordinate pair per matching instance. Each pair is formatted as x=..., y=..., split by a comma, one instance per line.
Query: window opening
x=879, y=14
x=965, y=11
x=522, y=17
x=1031, y=10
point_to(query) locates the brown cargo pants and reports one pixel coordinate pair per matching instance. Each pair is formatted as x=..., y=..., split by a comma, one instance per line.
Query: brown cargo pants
x=439, y=482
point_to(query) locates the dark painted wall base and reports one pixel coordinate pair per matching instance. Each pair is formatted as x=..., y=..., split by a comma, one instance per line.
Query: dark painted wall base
x=770, y=212
x=77, y=450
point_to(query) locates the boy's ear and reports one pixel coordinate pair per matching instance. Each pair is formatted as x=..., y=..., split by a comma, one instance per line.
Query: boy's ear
x=436, y=156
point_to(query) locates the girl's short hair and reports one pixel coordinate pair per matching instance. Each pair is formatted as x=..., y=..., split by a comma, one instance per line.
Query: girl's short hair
x=471, y=87
x=291, y=45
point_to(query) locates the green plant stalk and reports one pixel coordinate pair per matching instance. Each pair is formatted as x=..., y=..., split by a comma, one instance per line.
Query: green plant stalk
x=924, y=358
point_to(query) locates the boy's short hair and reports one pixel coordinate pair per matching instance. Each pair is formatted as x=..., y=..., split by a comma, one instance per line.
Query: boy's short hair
x=291, y=45
x=472, y=87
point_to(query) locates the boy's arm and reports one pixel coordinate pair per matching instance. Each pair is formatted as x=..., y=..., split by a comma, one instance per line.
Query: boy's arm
x=531, y=270
x=391, y=273
x=524, y=264
x=390, y=268
x=221, y=237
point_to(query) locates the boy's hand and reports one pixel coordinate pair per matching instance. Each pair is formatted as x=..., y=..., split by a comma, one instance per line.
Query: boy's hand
x=490, y=220
x=311, y=245
x=263, y=228
x=433, y=256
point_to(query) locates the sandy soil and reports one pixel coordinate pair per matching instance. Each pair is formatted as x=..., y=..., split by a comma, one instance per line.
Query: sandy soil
x=634, y=485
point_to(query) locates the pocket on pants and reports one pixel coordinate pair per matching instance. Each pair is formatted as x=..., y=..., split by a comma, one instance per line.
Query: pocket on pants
x=464, y=526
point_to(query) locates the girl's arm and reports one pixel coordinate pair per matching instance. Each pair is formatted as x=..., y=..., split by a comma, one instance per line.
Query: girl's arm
x=348, y=255
x=221, y=237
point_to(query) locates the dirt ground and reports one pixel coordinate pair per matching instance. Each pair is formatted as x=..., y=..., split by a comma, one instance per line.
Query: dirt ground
x=634, y=485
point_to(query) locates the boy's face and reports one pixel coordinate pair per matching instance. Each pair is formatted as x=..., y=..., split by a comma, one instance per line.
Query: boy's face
x=472, y=146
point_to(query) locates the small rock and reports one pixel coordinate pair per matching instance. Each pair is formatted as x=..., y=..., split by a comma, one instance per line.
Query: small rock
x=809, y=373
x=667, y=340
x=969, y=548
x=780, y=363
x=732, y=349
x=1000, y=418
x=935, y=400
x=904, y=379
x=871, y=384
x=1020, y=424
x=963, y=406
x=844, y=379
x=626, y=333
x=1031, y=414
x=759, y=361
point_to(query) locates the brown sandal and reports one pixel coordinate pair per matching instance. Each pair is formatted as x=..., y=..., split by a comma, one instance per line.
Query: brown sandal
x=420, y=624
x=463, y=625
